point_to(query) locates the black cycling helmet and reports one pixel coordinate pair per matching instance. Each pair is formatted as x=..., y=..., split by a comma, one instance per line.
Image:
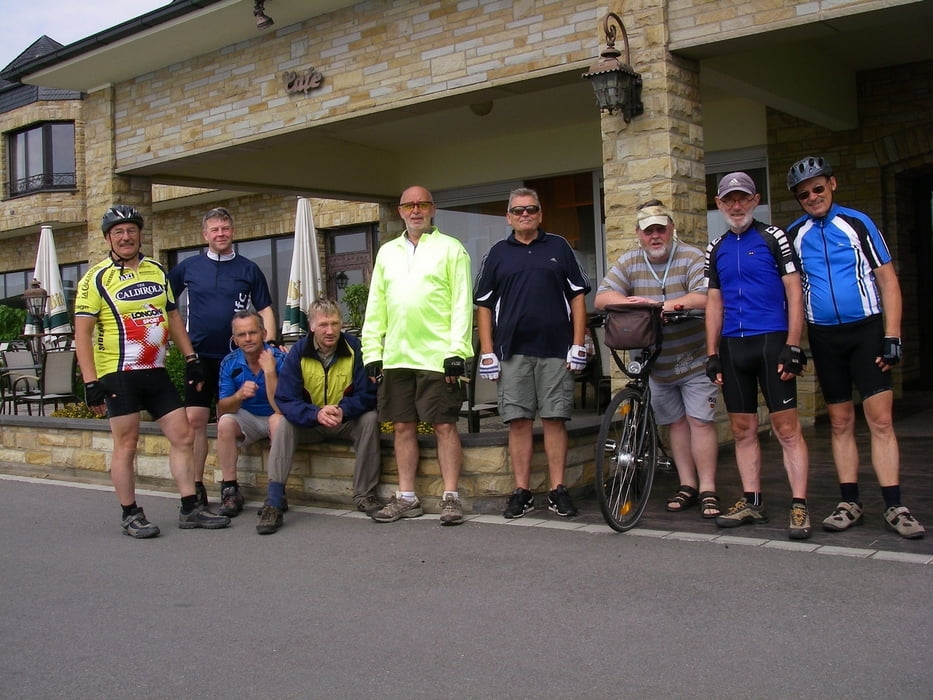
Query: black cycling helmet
x=119, y=214
x=805, y=168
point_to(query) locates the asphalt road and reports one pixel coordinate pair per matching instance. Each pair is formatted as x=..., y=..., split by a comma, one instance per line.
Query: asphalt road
x=337, y=606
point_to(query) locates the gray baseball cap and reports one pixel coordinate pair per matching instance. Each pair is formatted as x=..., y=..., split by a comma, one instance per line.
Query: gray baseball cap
x=736, y=182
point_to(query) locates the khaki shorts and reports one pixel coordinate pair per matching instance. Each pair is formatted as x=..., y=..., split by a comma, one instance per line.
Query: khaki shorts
x=535, y=385
x=253, y=427
x=694, y=395
x=411, y=395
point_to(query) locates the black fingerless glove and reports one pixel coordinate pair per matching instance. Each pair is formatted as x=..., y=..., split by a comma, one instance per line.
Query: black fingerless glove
x=454, y=366
x=713, y=367
x=374, y=370
x=793, y=358
x=891, y=350
x=95, y=393
x=194, y=372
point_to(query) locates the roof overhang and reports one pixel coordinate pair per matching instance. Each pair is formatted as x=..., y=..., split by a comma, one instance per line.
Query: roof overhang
x=175, y=32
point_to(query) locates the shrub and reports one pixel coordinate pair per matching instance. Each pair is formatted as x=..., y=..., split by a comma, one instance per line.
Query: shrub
x=74, y=410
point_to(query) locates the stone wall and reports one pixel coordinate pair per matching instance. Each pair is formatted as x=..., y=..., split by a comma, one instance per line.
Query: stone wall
x=374, y=56
x=322, y=473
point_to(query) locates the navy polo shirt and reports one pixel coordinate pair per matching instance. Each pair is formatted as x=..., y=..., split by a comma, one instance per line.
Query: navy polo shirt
x=528, y=289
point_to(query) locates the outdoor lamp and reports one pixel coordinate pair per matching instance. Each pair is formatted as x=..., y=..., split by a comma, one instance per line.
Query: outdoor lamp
x=617, y=87
x=263, y=21
x=342, y=280
x=36, y=298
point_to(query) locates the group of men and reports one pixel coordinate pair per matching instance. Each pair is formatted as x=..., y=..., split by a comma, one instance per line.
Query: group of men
x=756, y=284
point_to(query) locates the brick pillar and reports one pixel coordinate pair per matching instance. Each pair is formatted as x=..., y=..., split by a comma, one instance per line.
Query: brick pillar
x=104, y=188
x=660, y=153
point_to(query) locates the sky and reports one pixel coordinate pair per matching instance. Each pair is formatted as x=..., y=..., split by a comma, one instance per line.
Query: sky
x=66, y=21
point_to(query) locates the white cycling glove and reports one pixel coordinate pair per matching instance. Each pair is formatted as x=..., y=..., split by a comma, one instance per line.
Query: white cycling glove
x=489, y=366
x=576, y=358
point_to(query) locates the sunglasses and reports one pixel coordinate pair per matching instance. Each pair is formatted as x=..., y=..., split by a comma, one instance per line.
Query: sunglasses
x=805, y=195
x=409, y=206
x=530, y=209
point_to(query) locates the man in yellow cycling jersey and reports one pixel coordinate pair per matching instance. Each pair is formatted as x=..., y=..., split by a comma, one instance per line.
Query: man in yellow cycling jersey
x=124, y=315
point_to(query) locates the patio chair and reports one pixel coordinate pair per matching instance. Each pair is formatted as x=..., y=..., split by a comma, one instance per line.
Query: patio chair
x=55, y=384
x=598, y=369
x=18, y=368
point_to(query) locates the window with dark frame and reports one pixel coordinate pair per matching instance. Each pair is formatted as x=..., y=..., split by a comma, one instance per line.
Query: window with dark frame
x=41, y=157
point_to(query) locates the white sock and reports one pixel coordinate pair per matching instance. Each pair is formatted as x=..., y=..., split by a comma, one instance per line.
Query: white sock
x=406, y=495
x=455, y=494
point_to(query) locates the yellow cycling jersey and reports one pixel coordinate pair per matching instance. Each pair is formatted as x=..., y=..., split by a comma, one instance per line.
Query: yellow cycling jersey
x=131, y=308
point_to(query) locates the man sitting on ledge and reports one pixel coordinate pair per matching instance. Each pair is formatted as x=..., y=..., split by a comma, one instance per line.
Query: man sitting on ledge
x=246, y=409
x=324, y=393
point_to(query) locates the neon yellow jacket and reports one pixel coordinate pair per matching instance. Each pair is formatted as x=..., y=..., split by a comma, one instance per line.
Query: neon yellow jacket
x=420, y=307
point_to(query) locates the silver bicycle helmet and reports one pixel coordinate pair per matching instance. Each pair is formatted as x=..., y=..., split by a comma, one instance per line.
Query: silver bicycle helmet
x=805, y=168
x=119, y=214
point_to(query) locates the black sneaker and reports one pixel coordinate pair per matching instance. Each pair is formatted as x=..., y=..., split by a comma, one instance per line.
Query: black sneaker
x=520, y=502
x=201, y=493
x=137, y=526
x=201, y=517
x=558, y=501
x=231, y=502
x=270, y=520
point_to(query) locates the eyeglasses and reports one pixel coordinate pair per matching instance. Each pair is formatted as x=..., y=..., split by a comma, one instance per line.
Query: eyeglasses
x=409, y=206
x=529, y=209
x=732, y=201
x=805, y=195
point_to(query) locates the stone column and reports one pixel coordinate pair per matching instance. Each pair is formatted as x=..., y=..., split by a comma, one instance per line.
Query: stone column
x=658, y=155
x=104, y=187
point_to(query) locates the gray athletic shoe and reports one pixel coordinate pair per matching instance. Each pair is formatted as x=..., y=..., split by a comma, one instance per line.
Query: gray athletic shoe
x=799, y=522
x=201, y=517
x=845, y=516
x=451, y=511
x=398, y=508
x=270, y=520
x=742, y=512
x=137, y=526
x=899, y=519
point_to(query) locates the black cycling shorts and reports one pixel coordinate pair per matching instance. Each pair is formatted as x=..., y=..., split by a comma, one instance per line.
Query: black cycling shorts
x=752, y=362
x=149, y=389
x=205, y=397
x=845, y=354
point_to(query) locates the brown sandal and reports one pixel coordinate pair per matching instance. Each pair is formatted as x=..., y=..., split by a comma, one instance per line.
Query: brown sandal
x=685, y=497
x=709, y=505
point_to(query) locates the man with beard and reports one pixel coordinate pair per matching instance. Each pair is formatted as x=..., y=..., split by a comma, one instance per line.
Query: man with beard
x=754, y=319
x=665, y=269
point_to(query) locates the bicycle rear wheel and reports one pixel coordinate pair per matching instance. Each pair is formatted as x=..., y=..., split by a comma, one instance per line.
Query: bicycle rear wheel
x=626, y=457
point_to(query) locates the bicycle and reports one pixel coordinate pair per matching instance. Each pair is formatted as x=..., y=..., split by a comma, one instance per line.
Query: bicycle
x=628, y=448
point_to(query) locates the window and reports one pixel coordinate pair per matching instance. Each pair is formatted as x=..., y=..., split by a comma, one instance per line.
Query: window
x=42, y=157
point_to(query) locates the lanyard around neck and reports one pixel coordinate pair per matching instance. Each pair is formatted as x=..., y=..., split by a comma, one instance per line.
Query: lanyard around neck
x=662, y=281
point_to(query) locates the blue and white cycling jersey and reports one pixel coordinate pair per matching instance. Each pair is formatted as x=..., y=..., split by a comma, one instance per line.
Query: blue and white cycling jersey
x=838, y=254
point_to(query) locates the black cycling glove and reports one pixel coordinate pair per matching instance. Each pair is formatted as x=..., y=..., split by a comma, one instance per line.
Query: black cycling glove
x=95, y=393
x=793, y=358
x=194, y=372
x=454, y=366
x=891, y=350
x=374, y=370
x=713, y=367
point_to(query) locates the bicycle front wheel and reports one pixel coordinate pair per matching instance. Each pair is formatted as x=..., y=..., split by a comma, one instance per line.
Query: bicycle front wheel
x=626, y=456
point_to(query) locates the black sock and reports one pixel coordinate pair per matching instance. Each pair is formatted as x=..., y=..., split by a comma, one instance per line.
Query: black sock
x=849, y=492
x=753, y=498
x=798, y=501
x=225, y=484
x=891, y=495
x=130, y=509
x=188, y=503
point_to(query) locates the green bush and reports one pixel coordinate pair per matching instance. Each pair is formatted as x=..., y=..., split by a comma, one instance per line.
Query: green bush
x=74, y=410
x=175, y=366
x=12, y=323
x=355, y=297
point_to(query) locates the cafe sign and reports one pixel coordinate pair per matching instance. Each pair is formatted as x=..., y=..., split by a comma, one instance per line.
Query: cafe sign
x=304, y=81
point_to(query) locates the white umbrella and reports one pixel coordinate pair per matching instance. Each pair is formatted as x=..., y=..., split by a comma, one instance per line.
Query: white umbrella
x=304, y=280
x=57, y=320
